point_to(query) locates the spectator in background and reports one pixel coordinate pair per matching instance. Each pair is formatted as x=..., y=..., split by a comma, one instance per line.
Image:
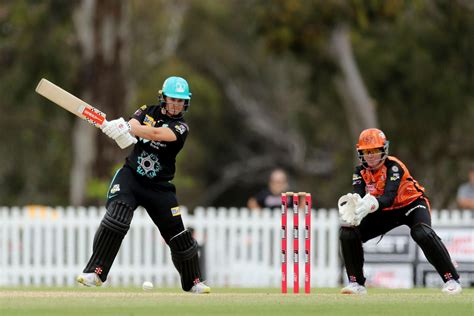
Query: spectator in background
x=465, y=196
x=270, y=197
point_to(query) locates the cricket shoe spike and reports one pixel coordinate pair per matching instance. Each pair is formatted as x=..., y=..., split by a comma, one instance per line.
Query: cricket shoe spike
x=89, y=279
x=200, y=288
x=354, y=288
x=452, y=287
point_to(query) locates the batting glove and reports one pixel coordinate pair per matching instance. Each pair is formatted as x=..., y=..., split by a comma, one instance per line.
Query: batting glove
x=116, y=128
x=125, y=140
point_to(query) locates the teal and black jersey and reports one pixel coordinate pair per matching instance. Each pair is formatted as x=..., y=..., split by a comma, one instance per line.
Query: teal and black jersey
x=154, y=161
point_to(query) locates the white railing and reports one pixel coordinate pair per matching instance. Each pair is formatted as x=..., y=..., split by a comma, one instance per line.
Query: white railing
x=50, y=246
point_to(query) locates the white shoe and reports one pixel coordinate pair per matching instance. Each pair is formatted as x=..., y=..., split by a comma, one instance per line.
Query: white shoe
x=354, y=288
x=452, y=287
x=89, y=279
x=200, y=288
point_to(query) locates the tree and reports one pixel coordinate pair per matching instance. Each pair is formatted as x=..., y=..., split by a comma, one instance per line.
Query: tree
x=400, y=48
x=102, y=32
x=35, y=154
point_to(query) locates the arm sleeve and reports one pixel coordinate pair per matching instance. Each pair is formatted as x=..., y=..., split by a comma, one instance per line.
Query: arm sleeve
x=139, y=114
x=180, y=129
x=358, y=184
x=392, y=183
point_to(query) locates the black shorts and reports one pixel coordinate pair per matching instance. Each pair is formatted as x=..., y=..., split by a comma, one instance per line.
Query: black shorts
x=380, y=222
x=159, y=200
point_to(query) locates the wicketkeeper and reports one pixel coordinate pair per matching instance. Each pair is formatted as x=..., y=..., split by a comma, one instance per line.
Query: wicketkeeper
x=386, y=196
x=144, y=180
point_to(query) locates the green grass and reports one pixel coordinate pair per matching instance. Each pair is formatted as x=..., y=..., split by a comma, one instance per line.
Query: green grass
x=132, y=301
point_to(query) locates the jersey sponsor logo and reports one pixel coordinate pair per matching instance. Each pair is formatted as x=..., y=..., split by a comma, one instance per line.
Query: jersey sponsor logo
x=180, y=128
x=395, y=169
x=356, y=182
x=154, y=144
x=395, y=177
x=115, y=188
x=371, y=188
x=149, y=121
x=157, y=144
x=355, y=176
x=175, y=211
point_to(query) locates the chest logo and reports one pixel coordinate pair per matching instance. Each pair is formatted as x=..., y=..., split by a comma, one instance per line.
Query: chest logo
x=148, y=165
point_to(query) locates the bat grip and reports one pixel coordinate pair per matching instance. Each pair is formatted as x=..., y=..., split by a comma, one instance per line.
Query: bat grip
x=104, y=124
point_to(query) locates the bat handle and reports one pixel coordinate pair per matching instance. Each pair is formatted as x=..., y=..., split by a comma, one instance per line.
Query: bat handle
x=104, y=124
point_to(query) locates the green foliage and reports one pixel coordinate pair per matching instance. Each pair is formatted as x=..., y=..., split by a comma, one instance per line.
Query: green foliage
x=97, y=189
x=415, y=58
x=34, y=43
x=422, y=91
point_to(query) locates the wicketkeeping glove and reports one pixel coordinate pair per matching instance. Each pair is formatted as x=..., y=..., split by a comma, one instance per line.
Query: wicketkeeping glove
x=346, y=205
x=368, y=204
x=116, y=128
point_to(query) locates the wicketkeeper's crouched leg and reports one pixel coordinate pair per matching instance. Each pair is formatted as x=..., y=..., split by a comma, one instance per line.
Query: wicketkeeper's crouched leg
x=108, y=238
x=184, y=253
x=353, y=254
x=434, y=251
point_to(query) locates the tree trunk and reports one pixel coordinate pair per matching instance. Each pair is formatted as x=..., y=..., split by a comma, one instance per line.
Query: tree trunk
x=360, y=110
x=101, y=27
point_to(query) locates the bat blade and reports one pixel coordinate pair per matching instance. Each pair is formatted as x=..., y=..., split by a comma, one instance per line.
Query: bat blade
x=70, y=102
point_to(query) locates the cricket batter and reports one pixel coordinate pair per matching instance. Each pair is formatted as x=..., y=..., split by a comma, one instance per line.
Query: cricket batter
x=144, y=180
x=386, y=196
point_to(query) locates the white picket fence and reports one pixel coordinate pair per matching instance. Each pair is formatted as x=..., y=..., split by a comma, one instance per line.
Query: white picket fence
x=50, y=246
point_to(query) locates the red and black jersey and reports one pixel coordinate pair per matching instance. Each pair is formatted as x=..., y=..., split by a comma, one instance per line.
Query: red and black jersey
x=154, y=161
x=391, y=184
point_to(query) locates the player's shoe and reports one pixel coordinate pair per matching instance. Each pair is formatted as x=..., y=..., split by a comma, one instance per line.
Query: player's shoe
x=354, y=288
x=452, y=287
x=200, y=288
x=89, y=279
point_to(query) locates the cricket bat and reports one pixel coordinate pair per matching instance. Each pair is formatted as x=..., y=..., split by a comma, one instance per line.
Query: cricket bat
x=79, y=108
x=71, y=103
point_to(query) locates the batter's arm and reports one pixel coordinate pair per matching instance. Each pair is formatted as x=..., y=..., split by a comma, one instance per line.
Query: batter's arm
x=151, y=133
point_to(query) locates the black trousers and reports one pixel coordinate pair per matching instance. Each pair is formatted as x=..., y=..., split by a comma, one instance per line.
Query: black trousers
x=381, y=222
x=417, y=217
x=159, y=200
